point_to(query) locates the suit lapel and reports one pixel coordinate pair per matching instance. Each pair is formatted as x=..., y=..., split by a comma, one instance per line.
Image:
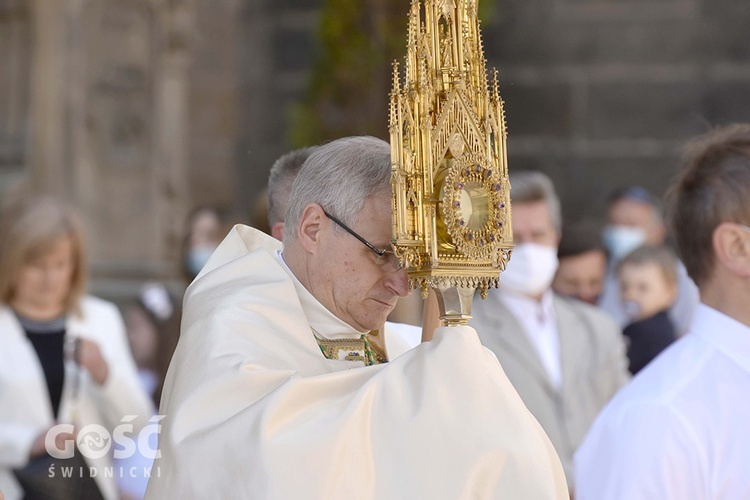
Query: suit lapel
x=570, y=329
x=499, y=327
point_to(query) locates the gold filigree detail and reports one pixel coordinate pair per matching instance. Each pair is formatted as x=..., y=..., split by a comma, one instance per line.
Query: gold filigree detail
x=469, y=181
x=448, y=149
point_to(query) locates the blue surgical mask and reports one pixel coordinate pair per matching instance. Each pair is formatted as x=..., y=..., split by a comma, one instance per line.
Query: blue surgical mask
x=621, y=240
x=197, y=258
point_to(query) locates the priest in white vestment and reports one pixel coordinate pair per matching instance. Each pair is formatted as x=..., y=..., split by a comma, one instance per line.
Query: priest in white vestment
x=276, y=389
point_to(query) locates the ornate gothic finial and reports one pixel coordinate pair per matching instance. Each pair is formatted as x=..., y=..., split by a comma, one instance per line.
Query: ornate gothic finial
x=451, y=194
x=392, y=111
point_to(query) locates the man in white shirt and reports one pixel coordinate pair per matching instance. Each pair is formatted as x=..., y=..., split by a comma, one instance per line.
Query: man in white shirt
x=277, y=390
x=680, y=429
x=565, y=358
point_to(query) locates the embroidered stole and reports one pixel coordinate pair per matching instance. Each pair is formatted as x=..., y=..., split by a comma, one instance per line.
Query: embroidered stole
x=360, y=349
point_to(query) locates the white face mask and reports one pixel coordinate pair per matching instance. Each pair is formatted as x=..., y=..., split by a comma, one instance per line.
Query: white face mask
x=621, y=240
x=531, y=269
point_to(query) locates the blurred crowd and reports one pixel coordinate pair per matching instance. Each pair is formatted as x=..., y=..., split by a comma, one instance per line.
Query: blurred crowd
x=580, y=310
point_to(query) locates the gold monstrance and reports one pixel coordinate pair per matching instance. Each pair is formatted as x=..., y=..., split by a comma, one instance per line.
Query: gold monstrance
x=452, y=225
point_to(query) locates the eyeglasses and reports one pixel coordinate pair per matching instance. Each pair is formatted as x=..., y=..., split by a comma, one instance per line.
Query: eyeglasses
x=386, y=258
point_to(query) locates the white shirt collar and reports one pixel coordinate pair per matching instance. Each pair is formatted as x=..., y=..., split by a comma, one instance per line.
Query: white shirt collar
x=323, y=322
x=539, y=323
x=728, y=335
x=523, y=305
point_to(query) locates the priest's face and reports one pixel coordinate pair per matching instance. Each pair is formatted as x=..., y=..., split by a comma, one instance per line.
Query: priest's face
x=357, y=285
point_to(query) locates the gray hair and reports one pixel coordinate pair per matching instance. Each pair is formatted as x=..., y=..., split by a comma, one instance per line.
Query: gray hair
x=280, y=180
x=340, y=176
x=530, y=186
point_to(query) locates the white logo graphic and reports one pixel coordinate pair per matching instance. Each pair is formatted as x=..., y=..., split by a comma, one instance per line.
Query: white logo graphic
x=95, y=441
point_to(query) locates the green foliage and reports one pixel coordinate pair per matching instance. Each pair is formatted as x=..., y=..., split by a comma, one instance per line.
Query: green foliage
x=350, y=83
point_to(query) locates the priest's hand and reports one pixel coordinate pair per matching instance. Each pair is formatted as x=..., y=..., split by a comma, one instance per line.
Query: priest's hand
x=430, y=316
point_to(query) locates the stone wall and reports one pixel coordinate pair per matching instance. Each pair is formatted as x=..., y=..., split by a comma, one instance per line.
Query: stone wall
x=15, y=42
x=94, y=114
x=214, y=102
x=278, y=48
x=602, y=93
x=599, y=93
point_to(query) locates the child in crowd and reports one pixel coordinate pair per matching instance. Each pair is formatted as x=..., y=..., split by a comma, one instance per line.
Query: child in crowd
x=153, y=328
x=648, y=285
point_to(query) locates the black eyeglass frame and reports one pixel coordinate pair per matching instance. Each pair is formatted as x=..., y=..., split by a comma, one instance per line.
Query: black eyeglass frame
x=379, y=253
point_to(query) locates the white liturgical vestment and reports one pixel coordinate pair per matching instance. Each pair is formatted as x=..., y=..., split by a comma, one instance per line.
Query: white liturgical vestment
x=254, y=410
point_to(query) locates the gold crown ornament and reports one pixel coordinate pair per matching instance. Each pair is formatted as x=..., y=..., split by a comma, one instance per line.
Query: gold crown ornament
x=451, y=194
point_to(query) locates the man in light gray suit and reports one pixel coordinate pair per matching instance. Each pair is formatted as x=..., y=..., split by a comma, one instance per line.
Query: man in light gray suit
x=565, y=358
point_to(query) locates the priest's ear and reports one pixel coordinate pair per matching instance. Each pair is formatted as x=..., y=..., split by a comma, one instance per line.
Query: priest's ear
x=312, y=221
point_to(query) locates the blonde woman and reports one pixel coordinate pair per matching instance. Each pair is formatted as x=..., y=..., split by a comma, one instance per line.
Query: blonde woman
x=64, y=359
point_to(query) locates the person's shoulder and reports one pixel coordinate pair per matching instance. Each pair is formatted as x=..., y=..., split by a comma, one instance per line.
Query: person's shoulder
x=638, y=440
x=5, y=309
x=96, y=305
x=658, y=326
x=95, y=310
x=592, y=314
x=678, y=370
x=647, y=394
x=7, y=319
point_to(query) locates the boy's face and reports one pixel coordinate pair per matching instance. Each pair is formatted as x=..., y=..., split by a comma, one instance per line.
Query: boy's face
x=646, y=285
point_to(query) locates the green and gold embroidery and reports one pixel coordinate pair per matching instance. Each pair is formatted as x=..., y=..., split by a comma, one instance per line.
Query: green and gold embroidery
x=360, y=349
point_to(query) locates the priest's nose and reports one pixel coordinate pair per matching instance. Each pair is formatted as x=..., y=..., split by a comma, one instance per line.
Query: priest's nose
x=398, y=283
